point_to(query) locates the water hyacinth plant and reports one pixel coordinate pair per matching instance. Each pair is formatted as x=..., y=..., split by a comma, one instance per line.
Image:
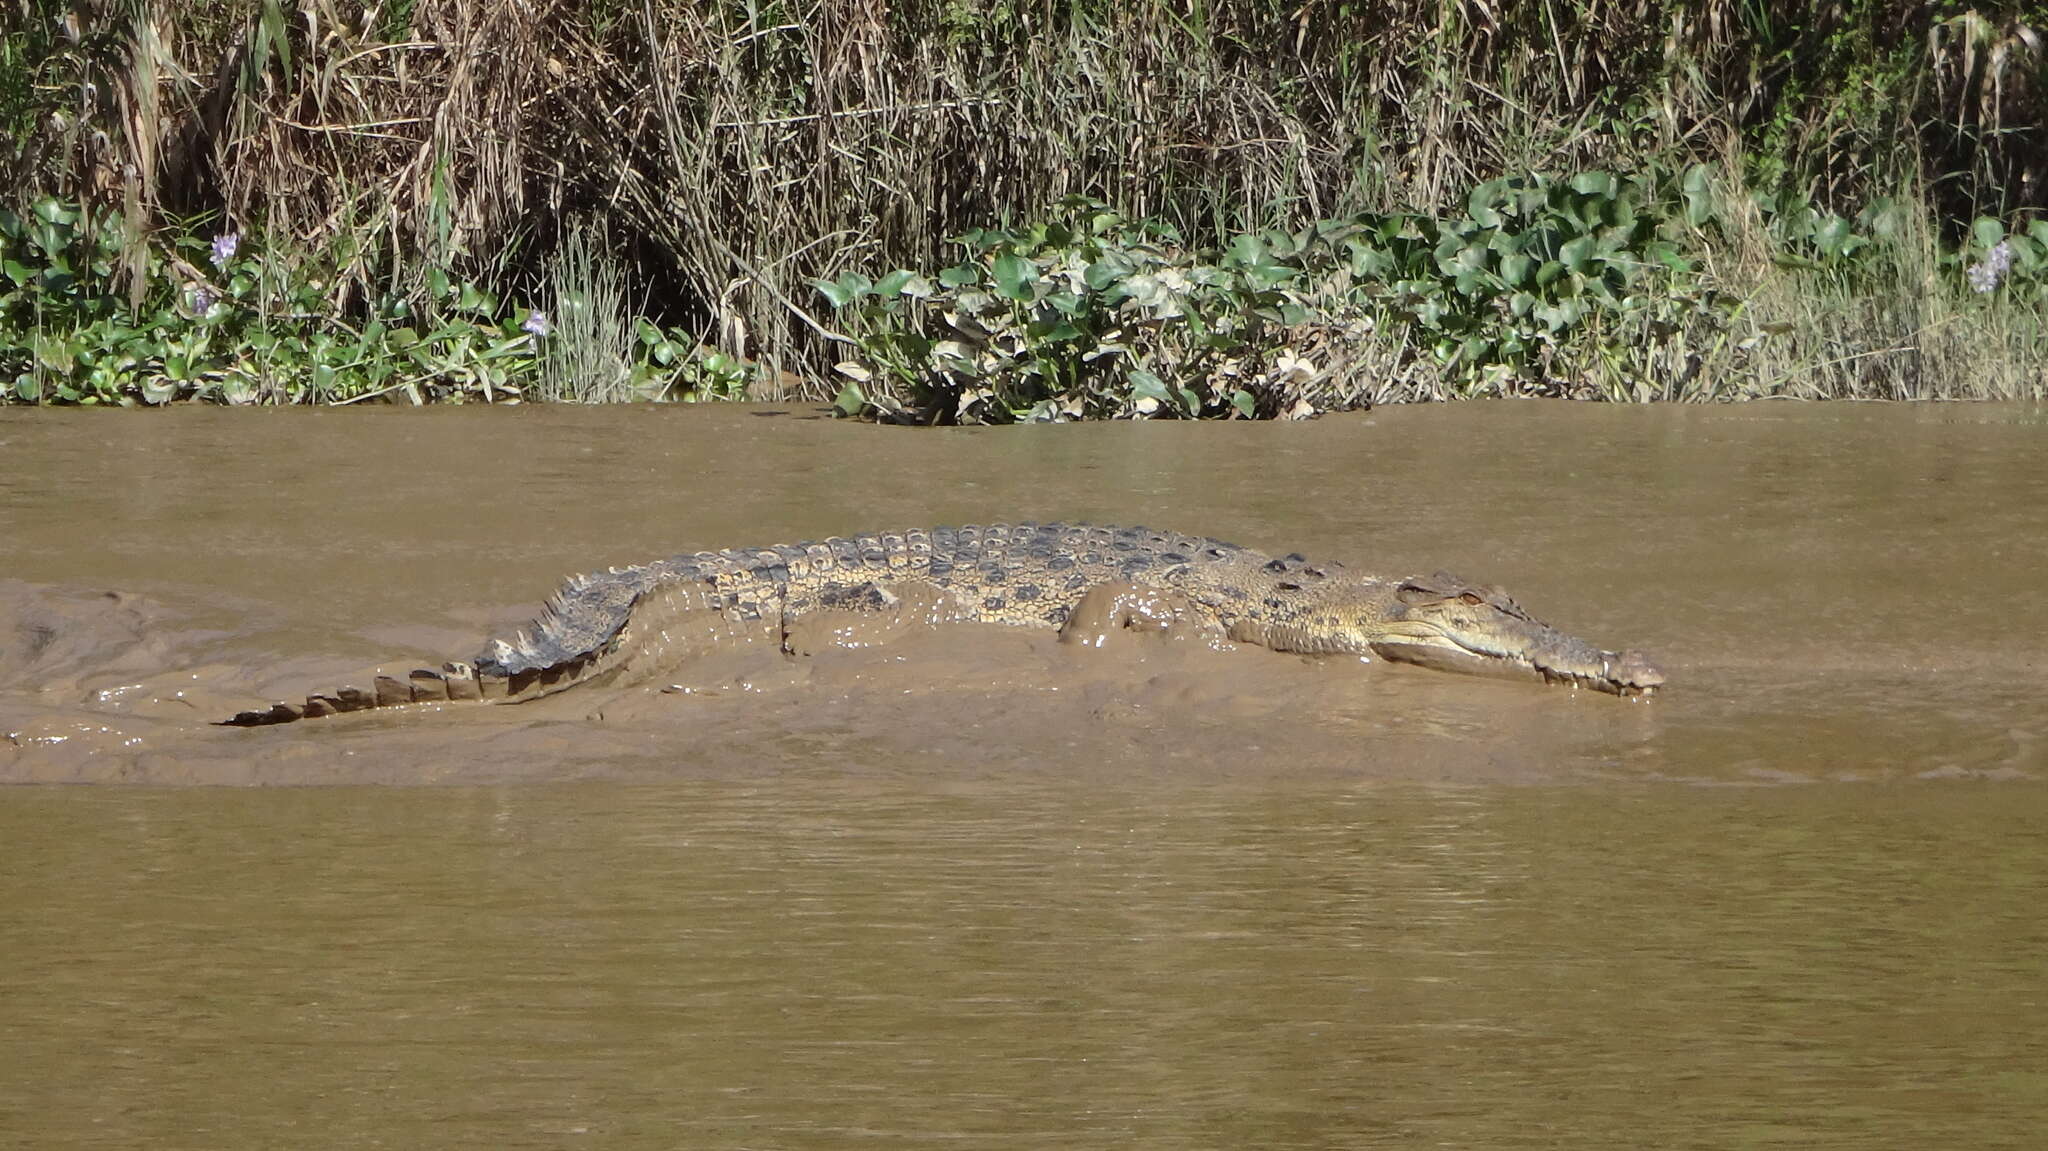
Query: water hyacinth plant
x=732, y=154
x=220, y=319
x=1597, y=286
x=1986, y=273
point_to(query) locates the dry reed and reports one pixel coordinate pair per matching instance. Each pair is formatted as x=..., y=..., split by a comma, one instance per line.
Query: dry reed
x=730, y=153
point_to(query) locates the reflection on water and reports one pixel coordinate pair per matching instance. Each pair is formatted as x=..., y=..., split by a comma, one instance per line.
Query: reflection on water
x=799, y=963
x=980, y=887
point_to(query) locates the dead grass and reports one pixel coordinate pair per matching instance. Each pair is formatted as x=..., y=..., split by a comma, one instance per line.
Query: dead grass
x=734, y=152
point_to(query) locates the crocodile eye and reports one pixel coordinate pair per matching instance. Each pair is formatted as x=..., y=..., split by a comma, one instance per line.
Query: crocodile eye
x=1472, y=599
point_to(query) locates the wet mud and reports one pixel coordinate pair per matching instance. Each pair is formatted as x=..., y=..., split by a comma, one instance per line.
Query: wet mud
x=1843, y=593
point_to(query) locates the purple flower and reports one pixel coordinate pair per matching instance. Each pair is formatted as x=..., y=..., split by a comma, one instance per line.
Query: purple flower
x=203, y=300
x=224, y=246
x=537, y=322
x=1984, y=276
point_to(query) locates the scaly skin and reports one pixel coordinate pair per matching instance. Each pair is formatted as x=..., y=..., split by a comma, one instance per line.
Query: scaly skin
x=1029, y=575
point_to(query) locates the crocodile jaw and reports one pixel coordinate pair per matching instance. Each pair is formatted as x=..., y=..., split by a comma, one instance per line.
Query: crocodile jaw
x=1553, y=658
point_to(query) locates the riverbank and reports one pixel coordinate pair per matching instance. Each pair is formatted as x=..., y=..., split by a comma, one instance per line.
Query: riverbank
x=926, y=214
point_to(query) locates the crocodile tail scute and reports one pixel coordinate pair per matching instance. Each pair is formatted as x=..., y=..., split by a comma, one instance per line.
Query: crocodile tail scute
x=454, y=681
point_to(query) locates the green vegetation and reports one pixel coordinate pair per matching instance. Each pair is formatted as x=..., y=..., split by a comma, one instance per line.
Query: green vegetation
x=1094, y=210
x=1594, y=287
x=218, y=320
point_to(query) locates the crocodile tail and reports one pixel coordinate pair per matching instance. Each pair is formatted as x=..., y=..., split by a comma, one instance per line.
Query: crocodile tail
x=577, y=637
x=454, y=681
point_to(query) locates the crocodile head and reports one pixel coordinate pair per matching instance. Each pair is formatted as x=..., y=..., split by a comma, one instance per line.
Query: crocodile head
x=1441, y=621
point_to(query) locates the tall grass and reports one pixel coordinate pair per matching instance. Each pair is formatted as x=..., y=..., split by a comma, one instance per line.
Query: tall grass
x=738, y=151
x=1900, y=327
x=587, y=356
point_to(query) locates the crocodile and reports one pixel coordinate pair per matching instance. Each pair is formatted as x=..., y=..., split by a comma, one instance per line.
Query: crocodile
x=1086, y=580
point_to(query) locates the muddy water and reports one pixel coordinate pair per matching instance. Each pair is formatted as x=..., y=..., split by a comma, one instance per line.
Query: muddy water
x=971, y=884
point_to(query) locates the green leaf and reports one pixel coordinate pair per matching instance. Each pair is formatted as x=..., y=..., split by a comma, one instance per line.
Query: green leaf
x=1446, y=255
x=1666, y=253
x=1701, y=204
x=477, y=302
x=1987, y=231
x=1832, y=235
x=1799, y=223
x=1480, y=203
x=850, y=401
x=855, y=285
x=1106, y=271
x=1244, y=403
x=916, y=347
x=1575, y=253
x=1145, y=384
x=510, y=345
x=1269, y=276
x=1370, y=263
x=1015, y=276
x=273, y=33
x=1881, y=218
x=51, y=210
x=1560, y=316
x=892, y=284
x=960, y=275
x=1066, y=302
x=53, y=351
x=837, y=296
x=27, y=387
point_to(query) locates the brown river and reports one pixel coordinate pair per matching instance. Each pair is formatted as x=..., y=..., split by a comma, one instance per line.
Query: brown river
x=973, y=887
